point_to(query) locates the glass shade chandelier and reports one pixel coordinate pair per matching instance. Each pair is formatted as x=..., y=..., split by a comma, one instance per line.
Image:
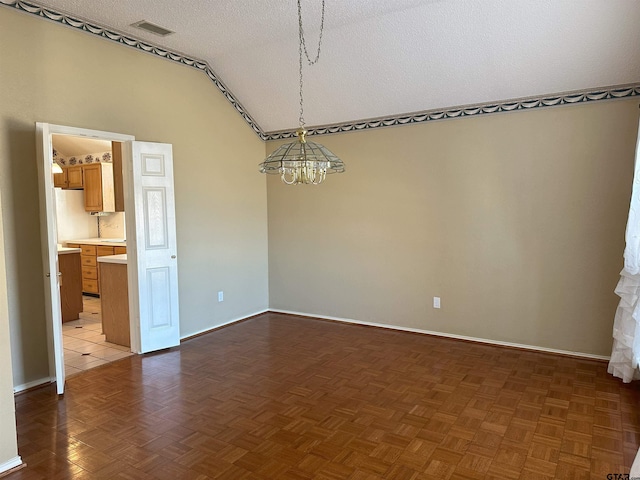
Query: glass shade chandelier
x=303, y=161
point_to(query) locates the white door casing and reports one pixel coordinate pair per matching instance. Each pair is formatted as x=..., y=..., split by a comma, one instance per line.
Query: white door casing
x=49, y=242
x=151, y=245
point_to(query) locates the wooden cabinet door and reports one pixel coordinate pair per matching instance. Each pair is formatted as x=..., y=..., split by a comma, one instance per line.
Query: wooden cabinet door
x=118, y=188
x=70, y=286
x=74, y=177
x=60, y=179
x=93, y=188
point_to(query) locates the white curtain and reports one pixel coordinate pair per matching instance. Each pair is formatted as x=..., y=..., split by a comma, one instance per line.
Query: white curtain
x=626, y=326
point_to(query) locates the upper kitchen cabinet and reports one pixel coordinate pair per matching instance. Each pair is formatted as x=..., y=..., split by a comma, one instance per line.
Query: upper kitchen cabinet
x=69, y=179
x=118, y=187
x=60, y=179
x=74, y=177
x=94, y=166
x=99, y=195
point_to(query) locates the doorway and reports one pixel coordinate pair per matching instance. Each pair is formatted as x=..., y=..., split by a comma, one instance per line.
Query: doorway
x=97, y=226
x=150, y=284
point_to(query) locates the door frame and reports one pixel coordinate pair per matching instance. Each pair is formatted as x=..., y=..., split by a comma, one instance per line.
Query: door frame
x=44, y=132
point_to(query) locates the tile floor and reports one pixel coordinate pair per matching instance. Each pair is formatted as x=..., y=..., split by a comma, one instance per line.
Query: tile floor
x=85, y=346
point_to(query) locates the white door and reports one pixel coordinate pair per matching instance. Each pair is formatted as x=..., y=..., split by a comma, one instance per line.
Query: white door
x=151, y=245
x=53, y=309
x=49, y=242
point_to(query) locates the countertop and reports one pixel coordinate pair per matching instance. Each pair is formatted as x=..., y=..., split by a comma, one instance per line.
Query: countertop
x=121, y=259
x=65, y=250
x=107, y=242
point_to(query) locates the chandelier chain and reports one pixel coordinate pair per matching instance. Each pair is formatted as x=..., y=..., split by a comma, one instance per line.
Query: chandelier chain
x=302, y=47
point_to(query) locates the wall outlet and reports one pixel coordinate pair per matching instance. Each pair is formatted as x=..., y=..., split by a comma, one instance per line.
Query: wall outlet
x=220, y=296
x=436, y=302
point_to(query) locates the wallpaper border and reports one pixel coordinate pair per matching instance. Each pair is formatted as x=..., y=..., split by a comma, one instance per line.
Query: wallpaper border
x=92, y=28
x=511, y=105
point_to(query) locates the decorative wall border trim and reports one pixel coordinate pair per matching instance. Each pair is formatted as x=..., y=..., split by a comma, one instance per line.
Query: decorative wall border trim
x=138, y=44
x=527, y=103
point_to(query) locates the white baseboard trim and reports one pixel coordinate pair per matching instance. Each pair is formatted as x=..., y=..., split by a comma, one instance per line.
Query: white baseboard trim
x=449, y=335
x=8, y=465
x=35, y=383
x=211, y=329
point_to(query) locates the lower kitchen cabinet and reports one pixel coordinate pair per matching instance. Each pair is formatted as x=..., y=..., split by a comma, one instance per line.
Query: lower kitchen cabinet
x=70, y=285
x=114, y=303
x=88, y=258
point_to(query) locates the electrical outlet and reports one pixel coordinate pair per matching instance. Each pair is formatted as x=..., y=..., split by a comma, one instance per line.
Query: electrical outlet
x=220, y=296
x=436, y=302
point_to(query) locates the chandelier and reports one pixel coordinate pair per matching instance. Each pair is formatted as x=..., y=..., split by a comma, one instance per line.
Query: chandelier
x=303, y=161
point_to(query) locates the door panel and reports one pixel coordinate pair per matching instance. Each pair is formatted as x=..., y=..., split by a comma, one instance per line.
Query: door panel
x=149, y=188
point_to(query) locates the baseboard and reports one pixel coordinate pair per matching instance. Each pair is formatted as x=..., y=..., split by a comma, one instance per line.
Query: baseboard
x=12, y=464
x=488, y=341
x=30, y=385
x=225, y=324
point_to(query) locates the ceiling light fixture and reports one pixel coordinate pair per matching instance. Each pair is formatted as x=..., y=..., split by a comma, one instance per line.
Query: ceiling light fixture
x=303, y=161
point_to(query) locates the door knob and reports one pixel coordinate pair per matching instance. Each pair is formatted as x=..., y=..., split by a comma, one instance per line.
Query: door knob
x=173, y=256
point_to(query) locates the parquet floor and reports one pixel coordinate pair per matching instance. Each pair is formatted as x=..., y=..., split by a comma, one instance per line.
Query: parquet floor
x=281, y=397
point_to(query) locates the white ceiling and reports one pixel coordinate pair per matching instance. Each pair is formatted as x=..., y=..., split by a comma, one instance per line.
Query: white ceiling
x=69, y=146
x=389, y=57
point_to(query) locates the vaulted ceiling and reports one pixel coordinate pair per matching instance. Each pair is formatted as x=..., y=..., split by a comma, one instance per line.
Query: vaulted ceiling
x=385, y=58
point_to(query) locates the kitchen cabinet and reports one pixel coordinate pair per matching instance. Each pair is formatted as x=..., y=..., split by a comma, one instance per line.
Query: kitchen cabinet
x=70, y=179
x=89, y=263
x=75, y=177
x=60, y=179
x=118, y=182
x=114, y=301
x=99, y=193
x=70, y=284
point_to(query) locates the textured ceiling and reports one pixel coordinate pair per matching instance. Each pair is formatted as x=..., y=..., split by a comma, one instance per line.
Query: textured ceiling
x=389, y=57
x=68, y=145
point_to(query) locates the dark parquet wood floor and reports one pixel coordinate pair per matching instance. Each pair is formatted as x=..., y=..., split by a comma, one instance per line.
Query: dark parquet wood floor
x=282, y=397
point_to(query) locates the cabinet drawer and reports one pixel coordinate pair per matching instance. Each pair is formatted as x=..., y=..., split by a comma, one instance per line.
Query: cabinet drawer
x=88, y=249
x=90, y=273
x=104, y=251
x=89, y=286
x=88, y=261
x=73, y=245
x=119, y=250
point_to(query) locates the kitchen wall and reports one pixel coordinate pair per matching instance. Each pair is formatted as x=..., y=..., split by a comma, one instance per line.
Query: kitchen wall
x=515, y=220
x=112, y=225
x=73, y=221
x=55, y=74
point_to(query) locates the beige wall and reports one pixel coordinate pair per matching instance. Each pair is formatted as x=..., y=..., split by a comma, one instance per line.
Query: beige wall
x=54, y=74
x=515, y=220
x=8, y=440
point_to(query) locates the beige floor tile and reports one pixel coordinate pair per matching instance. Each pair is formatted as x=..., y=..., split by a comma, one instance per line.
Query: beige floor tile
x=85, y=346
x=69, y=370
x=116, y=355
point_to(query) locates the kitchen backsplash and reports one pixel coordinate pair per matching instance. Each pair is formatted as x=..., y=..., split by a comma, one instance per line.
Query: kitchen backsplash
x=74, y=223
x=72, y=220
x=112, y=225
